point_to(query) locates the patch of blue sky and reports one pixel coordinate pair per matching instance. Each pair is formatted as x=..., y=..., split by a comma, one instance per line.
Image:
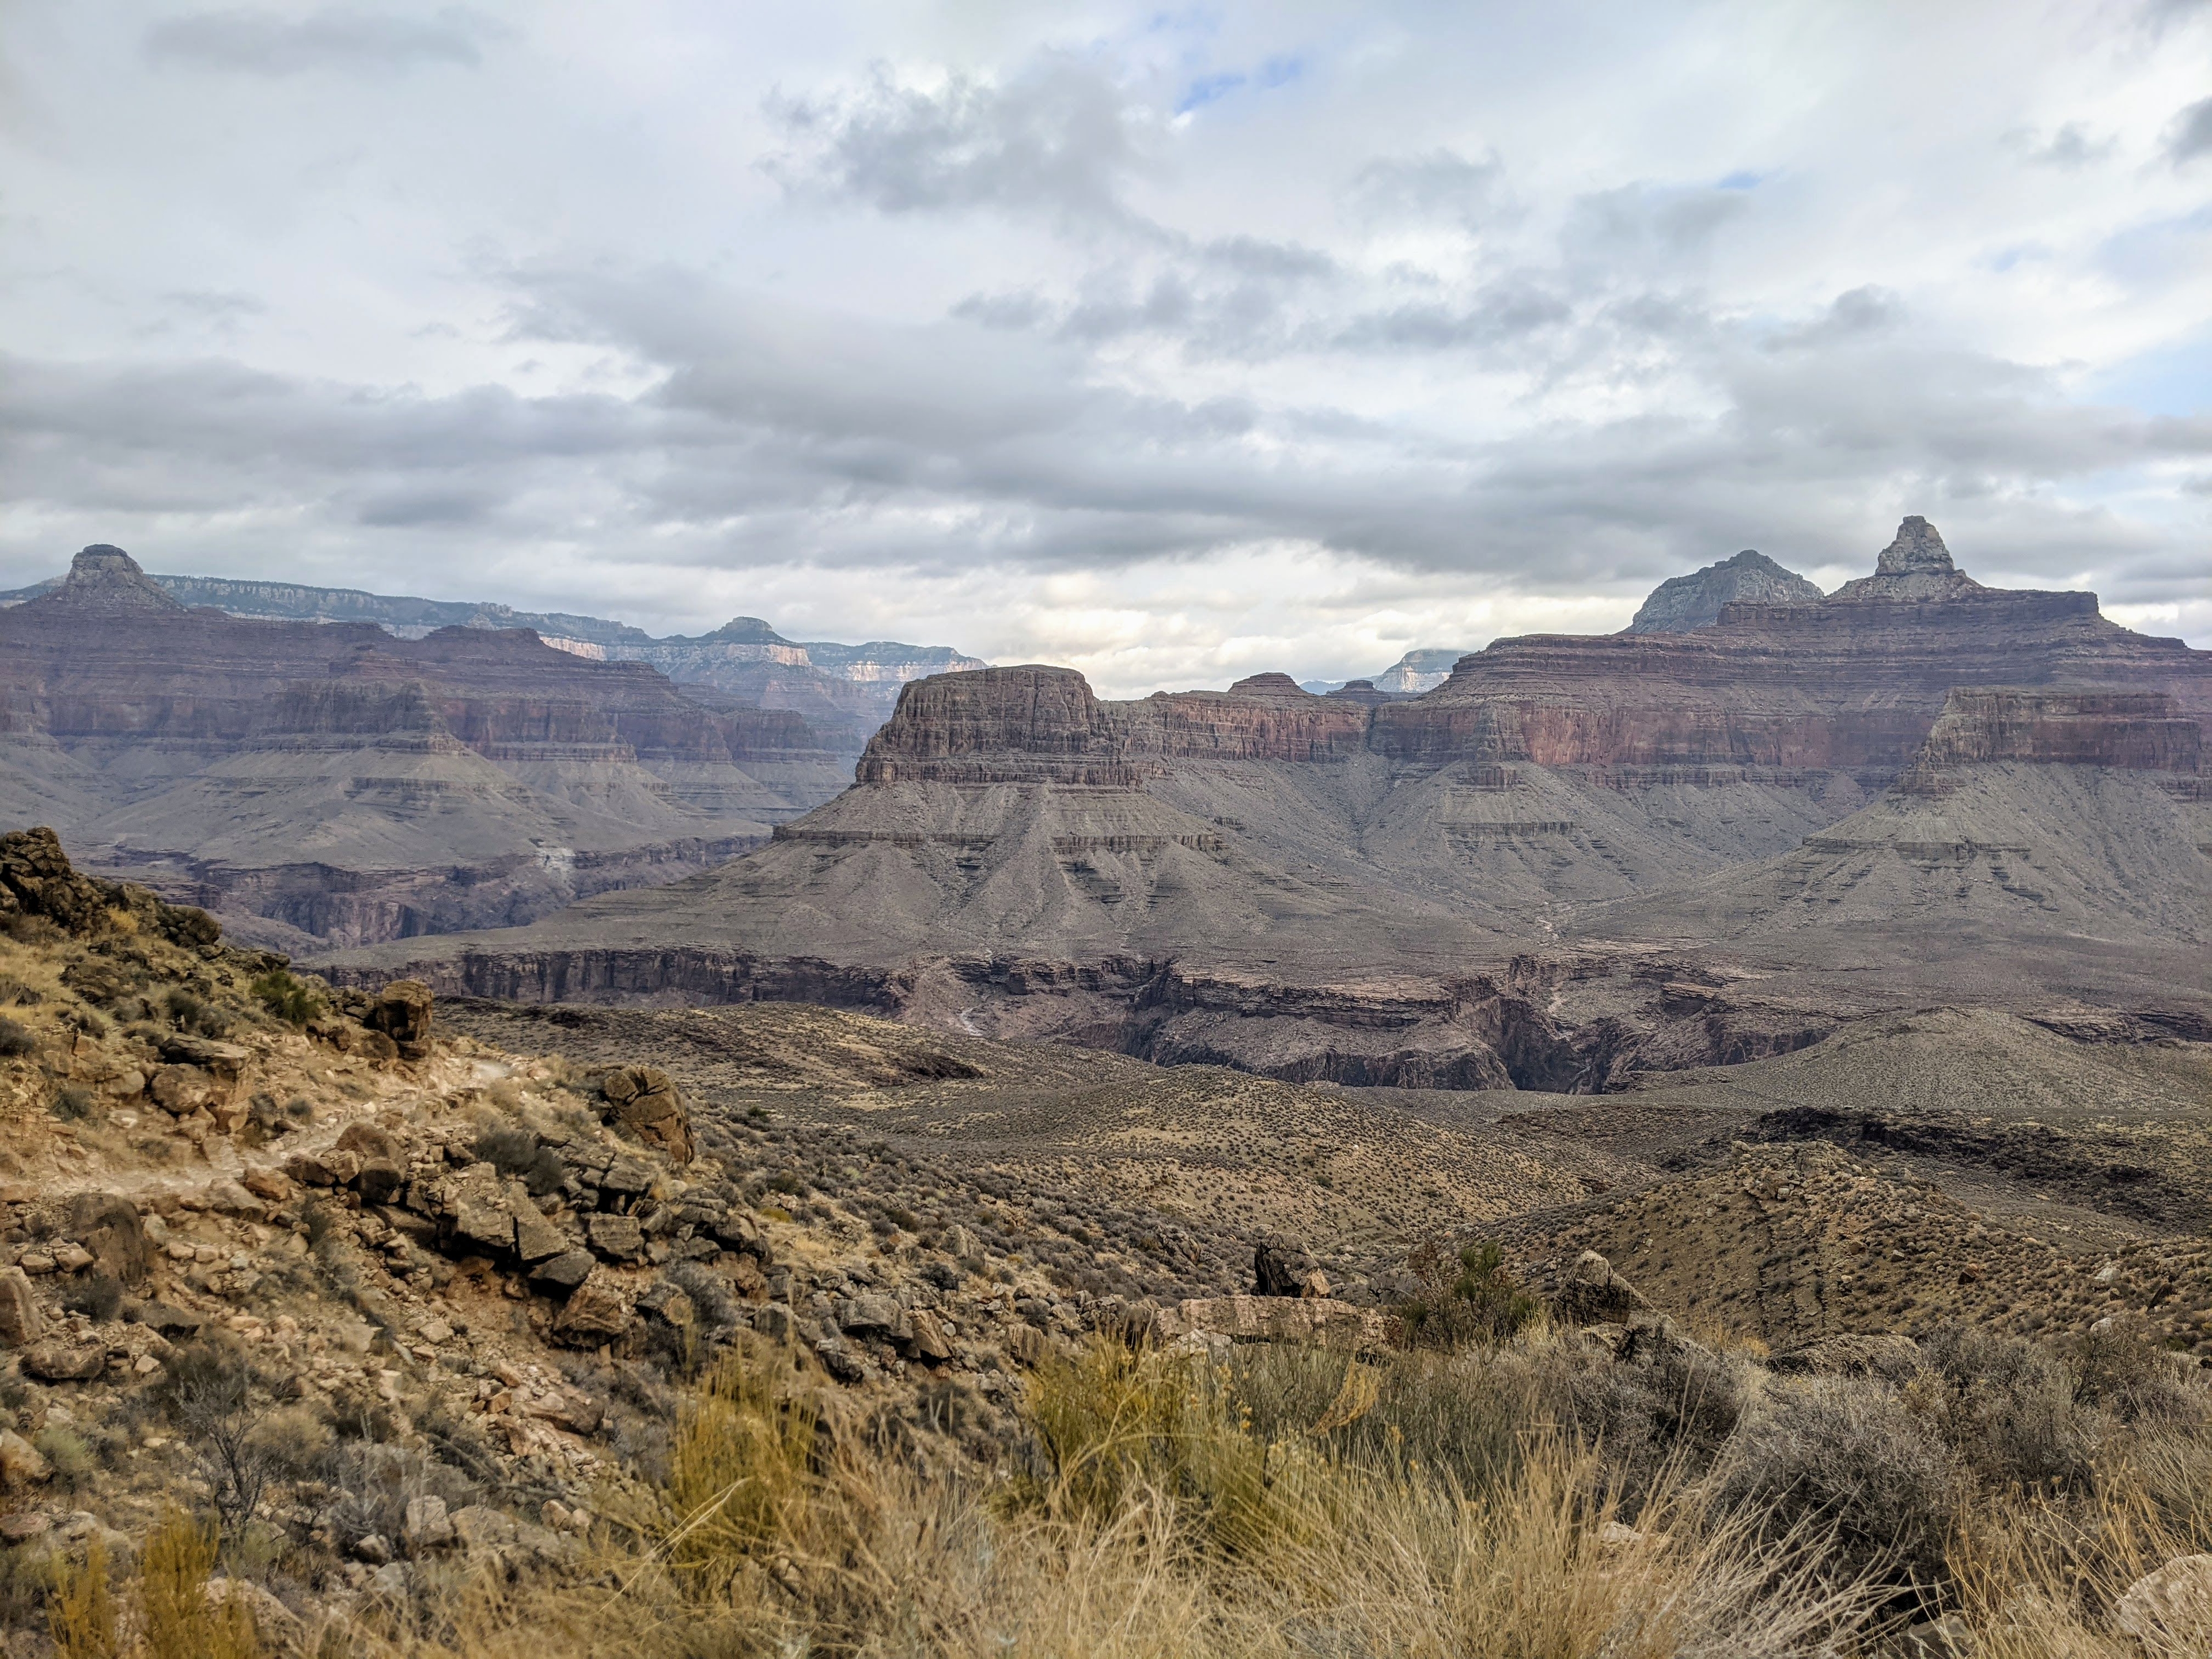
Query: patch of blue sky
x=1742, y=180
x=1208, y=89
x=2169, y=379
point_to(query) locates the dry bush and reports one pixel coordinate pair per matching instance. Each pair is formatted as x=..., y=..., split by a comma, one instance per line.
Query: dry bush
x=1848, y=1458
x=181, y=1622
x=80, y=1607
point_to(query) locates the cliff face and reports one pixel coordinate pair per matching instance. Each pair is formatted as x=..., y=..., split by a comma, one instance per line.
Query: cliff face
x=1852, y=683
x=1793, y=775
x=2138, y=730
x=1039, y=724
x=259, y=762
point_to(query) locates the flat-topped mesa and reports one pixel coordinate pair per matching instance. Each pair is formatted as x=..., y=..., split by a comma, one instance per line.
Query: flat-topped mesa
x=1682, y=603
x=2134, y=731
x=1036, y=724
x=105, y=580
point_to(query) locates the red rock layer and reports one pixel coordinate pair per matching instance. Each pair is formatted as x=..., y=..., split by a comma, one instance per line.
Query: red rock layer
x=81, y=670
x=2139, y=730
x=1851, y=685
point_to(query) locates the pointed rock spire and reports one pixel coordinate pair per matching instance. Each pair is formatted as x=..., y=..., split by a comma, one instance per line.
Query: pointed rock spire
x=1916, y=566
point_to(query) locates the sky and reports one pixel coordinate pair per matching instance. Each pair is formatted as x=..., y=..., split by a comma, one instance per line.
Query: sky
x=1173, y=345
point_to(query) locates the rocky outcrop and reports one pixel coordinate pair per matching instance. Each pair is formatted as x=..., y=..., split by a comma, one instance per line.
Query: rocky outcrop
x=1916, y=566
x=2138, y=731
x=1682, y=603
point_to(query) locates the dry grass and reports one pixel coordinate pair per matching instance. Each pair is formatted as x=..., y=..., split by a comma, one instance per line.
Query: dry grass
x=1292, y=1501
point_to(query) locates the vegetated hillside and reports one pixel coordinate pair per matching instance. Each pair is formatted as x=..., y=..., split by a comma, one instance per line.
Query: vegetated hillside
x=586, y=1330
x=340, y=786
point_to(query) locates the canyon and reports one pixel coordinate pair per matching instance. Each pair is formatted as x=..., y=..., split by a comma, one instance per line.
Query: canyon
x=1578, y=859
x=326, y=784
x=844, y=692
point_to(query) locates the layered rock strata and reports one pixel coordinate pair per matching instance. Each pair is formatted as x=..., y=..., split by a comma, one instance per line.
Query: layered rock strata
x=322, y=777
x=1298, y=843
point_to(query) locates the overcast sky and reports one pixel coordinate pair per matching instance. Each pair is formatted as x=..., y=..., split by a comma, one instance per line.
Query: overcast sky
x=1172, y=343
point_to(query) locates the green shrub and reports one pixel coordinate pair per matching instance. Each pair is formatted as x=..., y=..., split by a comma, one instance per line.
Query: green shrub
x=72, y=1461
x=1482, y=1302
x=292, y=999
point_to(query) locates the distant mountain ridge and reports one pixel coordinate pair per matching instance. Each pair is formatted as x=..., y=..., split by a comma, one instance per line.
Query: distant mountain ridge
x=845, y=691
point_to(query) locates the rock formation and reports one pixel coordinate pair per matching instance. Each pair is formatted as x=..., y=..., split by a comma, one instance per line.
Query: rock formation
x=1682, y=603
x=844, y=692
x=1341, y=887
x=345, y=786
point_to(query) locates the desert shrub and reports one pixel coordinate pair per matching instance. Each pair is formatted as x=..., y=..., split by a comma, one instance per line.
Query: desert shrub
x=28, y=929
x=16, y=1038
x=514, y=1151
x=181, y=1622
x=189, y=1011
x=1846, y=1458
x=72, y=1461
x=1480, y=1303
x=1467, y=1415
x=209, y=1392
x=2005, y=1406
x=80, y=1608
x=96, y=1294
x=286, y=997
x=73, y=1102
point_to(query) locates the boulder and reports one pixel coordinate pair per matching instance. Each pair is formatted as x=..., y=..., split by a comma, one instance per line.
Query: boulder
x=1275, y=1319
x=617, y=1236
x=2169, y=1608
x=427, y=1526
x=873, y=1313
x=370, y=1141
x=1591, y=1293
x=401, y=1011
x=56, y=1361
x=1283, y=1267
x=20, y=1323
x=379, y=1181
x=535, y=1237
x=107, y=1225
x=20, y=1465
x=482, y=1221
x=930, y=1342
x=37, y=879
x=594, y=1314
x=564, y=1272
x=180, y=1091
x=225, y=1060
x=647, y=1103
x=264, y=1182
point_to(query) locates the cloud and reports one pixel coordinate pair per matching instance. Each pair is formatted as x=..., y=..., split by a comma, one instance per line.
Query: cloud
x=673, y=317
x=2191, y=135
x=1059, y=137
x=2070, y=148
x=1861, y=312
x=340, y=38
x=1442, y=184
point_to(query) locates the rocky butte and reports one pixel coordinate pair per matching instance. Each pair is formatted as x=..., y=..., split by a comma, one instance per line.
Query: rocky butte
x=1488, y=880
x=326, y=784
